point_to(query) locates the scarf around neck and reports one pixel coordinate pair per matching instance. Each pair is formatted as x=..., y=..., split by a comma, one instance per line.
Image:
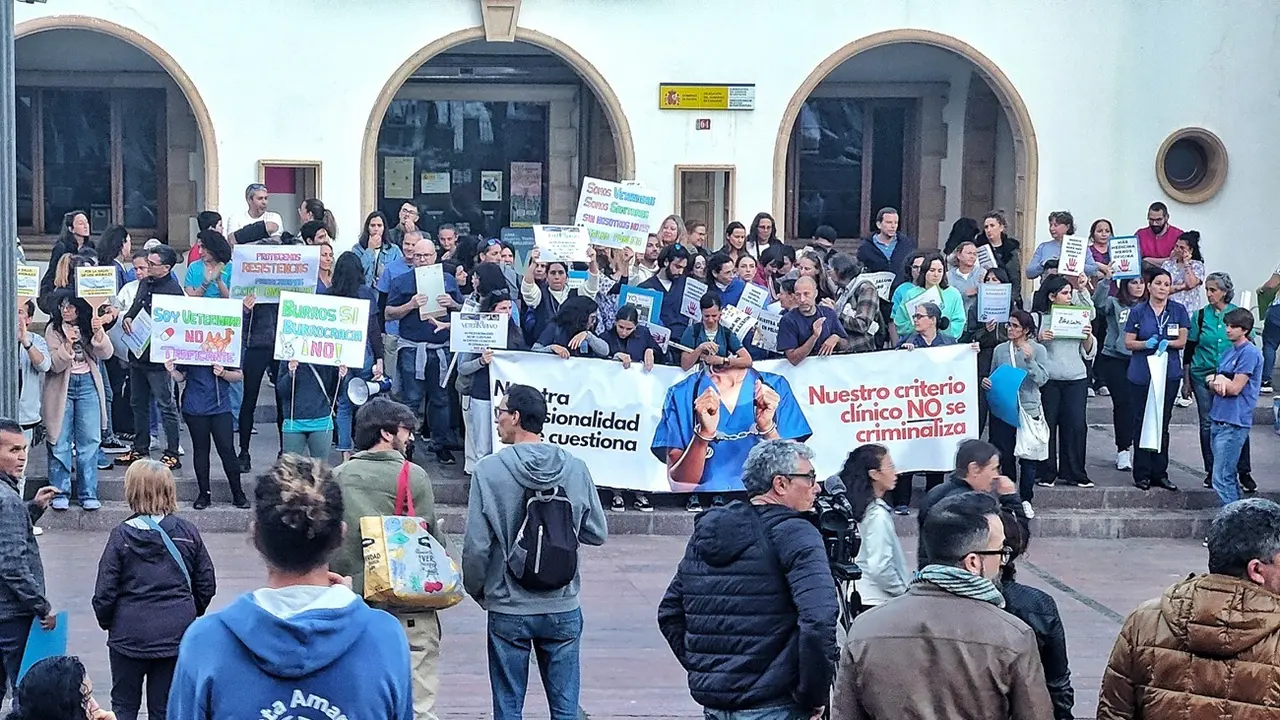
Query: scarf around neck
x=961, y=582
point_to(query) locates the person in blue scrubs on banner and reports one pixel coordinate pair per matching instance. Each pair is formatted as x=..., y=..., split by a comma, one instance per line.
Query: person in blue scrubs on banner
x=711, y=420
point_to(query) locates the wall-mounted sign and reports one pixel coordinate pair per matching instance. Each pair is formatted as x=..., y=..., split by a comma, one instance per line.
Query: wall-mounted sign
x=704, y=123
x=680, y=96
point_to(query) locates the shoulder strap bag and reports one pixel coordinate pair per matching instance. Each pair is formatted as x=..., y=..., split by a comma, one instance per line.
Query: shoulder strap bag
x=168, y=545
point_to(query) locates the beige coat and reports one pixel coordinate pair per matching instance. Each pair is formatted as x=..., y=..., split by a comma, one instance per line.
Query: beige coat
x=57, y=380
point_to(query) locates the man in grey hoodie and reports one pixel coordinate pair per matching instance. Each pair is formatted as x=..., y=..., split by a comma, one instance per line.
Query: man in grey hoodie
x=522, y=619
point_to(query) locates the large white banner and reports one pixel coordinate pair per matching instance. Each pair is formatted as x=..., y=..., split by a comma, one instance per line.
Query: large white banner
x=633, y=427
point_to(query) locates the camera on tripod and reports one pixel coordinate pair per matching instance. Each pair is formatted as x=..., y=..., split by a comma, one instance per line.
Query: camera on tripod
x=839, y=534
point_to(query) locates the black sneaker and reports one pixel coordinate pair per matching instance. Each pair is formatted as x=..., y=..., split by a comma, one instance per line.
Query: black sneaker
x=202, y=502
x=717, y=501
x=240, y=501
x=245, y=463
x=1208, y=481
x=444, y=457
x=1085, y=483
x=1266, y=388
x=693, y=505
x=642, y=503
x=1046, y=483
x=617, y=504
x=1247, y=484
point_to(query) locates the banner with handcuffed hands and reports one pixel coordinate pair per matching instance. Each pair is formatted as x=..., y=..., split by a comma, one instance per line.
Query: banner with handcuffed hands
x=195, y=331
x=666, y=430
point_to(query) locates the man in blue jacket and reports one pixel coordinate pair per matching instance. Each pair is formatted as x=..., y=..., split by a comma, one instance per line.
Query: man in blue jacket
x=755, y=586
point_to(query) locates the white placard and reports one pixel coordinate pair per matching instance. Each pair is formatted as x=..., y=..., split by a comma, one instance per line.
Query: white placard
x=322, y=329
x=987, y=257
x=195, y=330
x=477, y=332
x=490, y=186
x=1126, y=257
x=28, y=281
x=96, y=283
x=995, y=301
x=753, y=295
x=1071, y=261
x=265, y=271
x=1068, y=321
x=932, y=295
x=616, y=215
x=882, y=280
x=693, y=292
x=766, y=337
x=430, y=282
x=737, y=321
x=139, y=338
x=661, y=335
x=567, y=243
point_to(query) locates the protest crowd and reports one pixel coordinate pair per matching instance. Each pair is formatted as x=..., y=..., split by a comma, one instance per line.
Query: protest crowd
x=753, y=609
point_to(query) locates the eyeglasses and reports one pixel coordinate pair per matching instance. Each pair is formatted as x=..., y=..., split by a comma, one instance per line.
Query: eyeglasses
x=919, y=316
x=498, y=411
x=810, y=478
x=1005, y=554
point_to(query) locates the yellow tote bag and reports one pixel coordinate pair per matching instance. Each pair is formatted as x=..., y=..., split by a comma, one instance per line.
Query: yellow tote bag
x=405, y=567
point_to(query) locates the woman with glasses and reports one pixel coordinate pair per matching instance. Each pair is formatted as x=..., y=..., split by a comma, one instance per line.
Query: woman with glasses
x=1066, y=393
x=1037, y=609
x=1024, y=353
x=929, y=331
x=868, y=476
x=1206, y=343
x=545, y=298
x=932, y=277
x=58, y=687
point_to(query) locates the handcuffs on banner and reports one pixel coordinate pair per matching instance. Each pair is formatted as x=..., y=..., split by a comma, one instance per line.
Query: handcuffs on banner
x=719, y=436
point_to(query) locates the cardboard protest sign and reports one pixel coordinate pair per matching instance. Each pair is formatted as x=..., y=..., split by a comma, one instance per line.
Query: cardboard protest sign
x=932, y=295
x=753, y=295
x=648, y=302
x=266, y=271
x=986, y=257
x=1068, y=321
x=96, y=284
x=1126, y=257
x=882, y=280
x=139, y=337
x=737, y=321
x=195, y=331
x=1071, y=262
x=577, y=280
x=766, y=337
x=322, y=329
x=567, y=243
x=616, y=215
x=995, y=302
x=661, y=336
x=430, y=281
x=28, y=281
x=693, y=292
x=477, y=332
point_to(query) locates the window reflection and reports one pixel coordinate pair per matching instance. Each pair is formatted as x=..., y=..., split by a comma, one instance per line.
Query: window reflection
x=26, y=164
x=139, y=137
x=77, y=153
x=830, y=168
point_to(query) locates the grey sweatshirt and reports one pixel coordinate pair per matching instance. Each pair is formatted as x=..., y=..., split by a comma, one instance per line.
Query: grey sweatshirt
x=495, y=511
x=1037, y=376
x=1116, y=316
x=1067, y=356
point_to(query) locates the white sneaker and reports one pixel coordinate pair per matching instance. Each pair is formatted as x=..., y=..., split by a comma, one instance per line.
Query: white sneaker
x=1092, y=393
x=1027, y=510
x=1123, y=461
x=1103, y=391
x=37, y=530
x=1183, y=402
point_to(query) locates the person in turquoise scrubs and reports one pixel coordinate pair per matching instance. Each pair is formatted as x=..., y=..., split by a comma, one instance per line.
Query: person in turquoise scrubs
x=712, y=419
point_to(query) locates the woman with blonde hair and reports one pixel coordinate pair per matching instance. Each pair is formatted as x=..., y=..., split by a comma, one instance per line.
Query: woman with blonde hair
x=672, y=232
x=154, y=579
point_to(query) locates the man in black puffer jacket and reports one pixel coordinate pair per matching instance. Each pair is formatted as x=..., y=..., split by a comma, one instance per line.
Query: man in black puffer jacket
x=751, y=613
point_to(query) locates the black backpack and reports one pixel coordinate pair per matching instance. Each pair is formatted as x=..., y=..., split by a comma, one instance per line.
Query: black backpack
x=544, y=555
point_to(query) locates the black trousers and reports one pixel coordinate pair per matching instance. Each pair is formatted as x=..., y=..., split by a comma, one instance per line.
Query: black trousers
x=146, y=385
x=1114, y=372
x=254, y=362
x=203, y=428
x=1064, y=410
x=901, y=493
x=121, y=406
x=13, y=644
x=1149, y=466
x=127, y=675
x=1005, y=437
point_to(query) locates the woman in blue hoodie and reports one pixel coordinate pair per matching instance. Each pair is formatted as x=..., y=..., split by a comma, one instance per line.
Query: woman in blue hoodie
x=293, y=647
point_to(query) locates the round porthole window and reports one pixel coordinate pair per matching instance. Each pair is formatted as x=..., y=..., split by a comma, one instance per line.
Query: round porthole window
x=1191, y=165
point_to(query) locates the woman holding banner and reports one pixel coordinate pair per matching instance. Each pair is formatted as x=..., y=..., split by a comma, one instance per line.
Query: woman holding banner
x=629, y=342
x=74, y=402
x=1156, y=328
x=348, y=282
x=1066, y=393
x=572, y=332
x=709, y=342
x=476, y=366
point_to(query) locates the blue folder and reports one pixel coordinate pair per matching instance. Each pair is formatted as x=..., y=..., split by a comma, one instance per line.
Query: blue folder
x=43, y=643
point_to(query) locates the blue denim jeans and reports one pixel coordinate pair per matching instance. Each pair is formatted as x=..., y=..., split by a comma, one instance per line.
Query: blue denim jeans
x=1228, y=440
x=81, y=427
x=1204, y=401
x=778, y=712
x=414, y=391
x=555, y=641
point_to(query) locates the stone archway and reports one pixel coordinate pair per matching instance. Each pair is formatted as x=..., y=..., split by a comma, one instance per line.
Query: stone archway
x=199, y=110
x=1026, y=153
x=623, y=145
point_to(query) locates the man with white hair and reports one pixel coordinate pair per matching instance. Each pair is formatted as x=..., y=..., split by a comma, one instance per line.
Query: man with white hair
x=755, y=586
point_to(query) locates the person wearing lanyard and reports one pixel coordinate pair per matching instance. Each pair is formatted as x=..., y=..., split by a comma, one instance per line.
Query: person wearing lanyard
x=1159, y=326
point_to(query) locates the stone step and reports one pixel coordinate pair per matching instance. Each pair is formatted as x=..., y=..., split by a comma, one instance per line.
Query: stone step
x=1094, y=524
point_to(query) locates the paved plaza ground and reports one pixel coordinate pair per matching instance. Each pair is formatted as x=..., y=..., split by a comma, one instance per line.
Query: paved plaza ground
x=627, y=669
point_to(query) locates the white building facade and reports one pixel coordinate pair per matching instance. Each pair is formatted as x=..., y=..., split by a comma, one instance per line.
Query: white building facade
x=490, y=112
